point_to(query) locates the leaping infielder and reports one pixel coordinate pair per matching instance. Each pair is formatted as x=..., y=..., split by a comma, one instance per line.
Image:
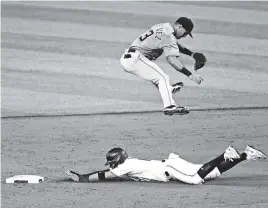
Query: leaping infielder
x=150, y=45
x=174, y=168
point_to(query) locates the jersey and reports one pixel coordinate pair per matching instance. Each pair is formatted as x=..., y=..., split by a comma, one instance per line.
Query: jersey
x=158, y=39
x=141, y=170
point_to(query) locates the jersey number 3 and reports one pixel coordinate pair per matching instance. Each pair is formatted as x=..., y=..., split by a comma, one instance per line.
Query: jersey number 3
x=151, y=32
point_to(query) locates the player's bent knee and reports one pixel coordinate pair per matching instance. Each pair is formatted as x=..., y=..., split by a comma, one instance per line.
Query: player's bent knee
x=166, y=77
x=175, y=174
x=197, y=180
x=215, y=173
x=122, y=62
x=125, y=65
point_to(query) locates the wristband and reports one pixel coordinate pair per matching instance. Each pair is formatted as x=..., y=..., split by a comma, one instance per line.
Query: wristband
x=186, y=72
x=101, y=175
x=185, y=51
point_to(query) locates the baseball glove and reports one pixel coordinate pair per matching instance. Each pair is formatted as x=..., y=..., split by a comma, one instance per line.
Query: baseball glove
x=200, y=61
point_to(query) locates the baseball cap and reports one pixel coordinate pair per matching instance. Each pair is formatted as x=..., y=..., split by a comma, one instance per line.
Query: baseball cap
x=187, y=24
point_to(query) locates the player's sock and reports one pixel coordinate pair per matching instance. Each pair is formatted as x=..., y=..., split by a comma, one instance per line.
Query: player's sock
x=208, y=167
x=228, y=164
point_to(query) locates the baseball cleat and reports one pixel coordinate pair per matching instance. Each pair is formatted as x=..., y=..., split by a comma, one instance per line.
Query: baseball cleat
x=177, y=87
x=254, y=154
x=231, y=153
x=73, y=175
x=171, y=110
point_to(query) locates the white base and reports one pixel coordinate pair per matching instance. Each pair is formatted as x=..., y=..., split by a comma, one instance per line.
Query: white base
x=25, y=179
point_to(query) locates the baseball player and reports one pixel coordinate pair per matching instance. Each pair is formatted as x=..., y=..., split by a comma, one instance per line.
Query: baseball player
x=174, y=168
x=160, y=38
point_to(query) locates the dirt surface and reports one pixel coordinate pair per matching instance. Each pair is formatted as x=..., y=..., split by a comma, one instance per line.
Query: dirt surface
x=62, y=58
x=48, y=146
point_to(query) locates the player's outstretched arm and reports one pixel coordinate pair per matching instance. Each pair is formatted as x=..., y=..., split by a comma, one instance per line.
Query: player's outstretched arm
x=177, y=64
x=91, y=177
x=99, y=176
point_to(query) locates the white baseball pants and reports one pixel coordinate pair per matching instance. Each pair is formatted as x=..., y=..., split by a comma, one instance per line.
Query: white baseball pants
x=182, y=170
x=142, y=67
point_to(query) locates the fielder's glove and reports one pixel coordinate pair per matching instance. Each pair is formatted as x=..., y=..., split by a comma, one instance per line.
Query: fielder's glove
x=200, y=60
x=195, y=77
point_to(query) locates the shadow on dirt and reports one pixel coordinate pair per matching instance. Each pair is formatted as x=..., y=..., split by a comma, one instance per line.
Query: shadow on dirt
x=256, y=180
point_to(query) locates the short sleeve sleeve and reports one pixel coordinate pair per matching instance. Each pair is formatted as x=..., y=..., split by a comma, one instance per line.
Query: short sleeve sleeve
x=170, y=46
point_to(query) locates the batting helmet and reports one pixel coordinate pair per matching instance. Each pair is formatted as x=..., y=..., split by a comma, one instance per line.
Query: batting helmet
x=115, y=157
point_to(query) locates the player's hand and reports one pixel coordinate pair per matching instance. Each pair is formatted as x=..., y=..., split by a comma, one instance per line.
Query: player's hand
x=197, y=78
x=200, y=60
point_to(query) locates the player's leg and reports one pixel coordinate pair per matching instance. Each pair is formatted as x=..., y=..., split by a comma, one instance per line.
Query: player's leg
x=250, y=153
x=224, y=166
x=228, y=164
x=229, y=154
x=137, y=64
x=175, y=174
x=182, y=170
x=188, y=167
x=186, y=172
x=181, y=164
x=149, y=71
x=128, y=59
